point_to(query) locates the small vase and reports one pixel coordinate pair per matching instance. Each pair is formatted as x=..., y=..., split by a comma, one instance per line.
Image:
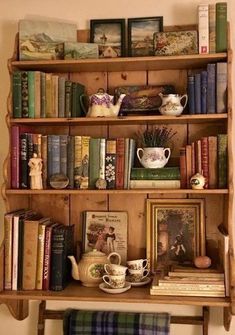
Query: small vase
x=153, y=158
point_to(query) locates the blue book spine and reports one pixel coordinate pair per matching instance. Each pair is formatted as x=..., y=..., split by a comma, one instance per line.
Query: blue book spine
x=191, y=96
x=204, y=92
x=211, y=97
x=197, y=93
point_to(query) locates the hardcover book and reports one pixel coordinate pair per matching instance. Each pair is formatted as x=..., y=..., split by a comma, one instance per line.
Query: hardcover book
x=94, y=154
x=221, y=26
x=158, y=184
x=203, y=28
x=191, y=94
x=222, y=160
x=106, y=232
x=212, y=28
x=110, y=164
x=211, y=86
x=16, y=94
x=165, y=173
x=197, y=93
x=221, y=87
x=204, y=92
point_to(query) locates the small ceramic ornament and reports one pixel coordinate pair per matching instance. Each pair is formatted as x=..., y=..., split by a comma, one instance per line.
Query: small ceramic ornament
x=197, y=181
x=202, y=262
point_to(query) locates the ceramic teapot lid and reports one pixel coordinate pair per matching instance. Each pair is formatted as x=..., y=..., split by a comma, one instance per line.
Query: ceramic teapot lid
x=94, y=253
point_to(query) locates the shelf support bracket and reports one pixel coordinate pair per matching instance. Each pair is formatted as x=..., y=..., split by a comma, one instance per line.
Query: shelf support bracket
x=227, y=318
x=19, y=309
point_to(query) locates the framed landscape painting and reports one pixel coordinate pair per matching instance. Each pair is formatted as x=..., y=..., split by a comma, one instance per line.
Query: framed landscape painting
x=175, y=232
x=140, y=35
x=109, y=34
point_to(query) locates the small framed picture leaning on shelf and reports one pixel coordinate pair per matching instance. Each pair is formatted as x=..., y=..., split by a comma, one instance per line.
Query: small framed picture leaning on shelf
x=109, y=34
x=175, y=232
x=140, y=35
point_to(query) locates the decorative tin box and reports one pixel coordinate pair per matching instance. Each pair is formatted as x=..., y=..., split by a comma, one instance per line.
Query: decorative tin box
x=78, y=50
x=175, y=43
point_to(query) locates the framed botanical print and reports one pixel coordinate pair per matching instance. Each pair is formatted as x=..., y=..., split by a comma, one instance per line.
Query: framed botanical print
x=175, y=232
x=140, y=35
x=109, y=34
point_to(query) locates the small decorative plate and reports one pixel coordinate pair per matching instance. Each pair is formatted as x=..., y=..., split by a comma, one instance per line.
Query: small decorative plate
x=143, y=282
x=104, y=287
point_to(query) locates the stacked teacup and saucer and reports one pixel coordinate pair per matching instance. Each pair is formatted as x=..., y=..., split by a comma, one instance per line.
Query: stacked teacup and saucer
x=114, y=279
x=138, y=271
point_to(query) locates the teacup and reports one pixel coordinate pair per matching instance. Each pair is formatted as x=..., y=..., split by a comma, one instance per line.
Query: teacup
x=137, y=264
x=115, y=281
x=137, y=275
x=115, y=269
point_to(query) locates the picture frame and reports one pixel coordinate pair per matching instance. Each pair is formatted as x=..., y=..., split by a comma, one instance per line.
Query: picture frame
x=110, y=36
x=140, y=35
x=169, y=221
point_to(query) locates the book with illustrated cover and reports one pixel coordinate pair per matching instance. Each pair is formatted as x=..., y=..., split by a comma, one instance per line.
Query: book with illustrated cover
x=106, y=232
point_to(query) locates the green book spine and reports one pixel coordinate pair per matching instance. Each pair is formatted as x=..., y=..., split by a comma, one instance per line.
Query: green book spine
x=222, y=160
x=94, y=154
x=31, y=87
x=167, y=173
x=68, y=98
x=221, y=27
x=43, y=94
x=17, y=97
x=25, y=94
x=74, y=100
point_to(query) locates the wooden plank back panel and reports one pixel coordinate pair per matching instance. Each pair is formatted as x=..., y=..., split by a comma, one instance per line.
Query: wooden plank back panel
x=93, y=131
x=126, y=78
x=92, y=81
x=196, y=131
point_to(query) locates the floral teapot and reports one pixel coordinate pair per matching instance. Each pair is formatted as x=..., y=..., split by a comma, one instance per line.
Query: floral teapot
x=171, y=104
x=101, y=104
x=90, y=269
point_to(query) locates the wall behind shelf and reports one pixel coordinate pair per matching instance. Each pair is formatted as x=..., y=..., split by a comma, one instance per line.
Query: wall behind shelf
x=79, y=12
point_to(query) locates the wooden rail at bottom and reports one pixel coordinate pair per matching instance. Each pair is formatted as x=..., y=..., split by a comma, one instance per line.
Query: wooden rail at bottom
x=202, y=320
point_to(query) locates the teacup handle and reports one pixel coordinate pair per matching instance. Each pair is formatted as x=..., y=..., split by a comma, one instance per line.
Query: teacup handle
x=147, y=273
x=107, y=268
x=117, y=255
x=145, y=263
x=106, y=281
x=138, y=153
x=168, y=150
x=186, y=99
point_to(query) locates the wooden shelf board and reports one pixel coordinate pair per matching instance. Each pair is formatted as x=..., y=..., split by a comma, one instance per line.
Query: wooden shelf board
x=138, y=119
x=76, y=292
x=121, y=63
x=132, y=191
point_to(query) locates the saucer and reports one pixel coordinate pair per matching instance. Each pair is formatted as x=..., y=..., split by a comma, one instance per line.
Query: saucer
x=143, y=282
x=104, y=287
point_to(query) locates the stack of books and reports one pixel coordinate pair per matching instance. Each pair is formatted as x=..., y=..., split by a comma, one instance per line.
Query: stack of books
x=163, y=178
x=190, y=282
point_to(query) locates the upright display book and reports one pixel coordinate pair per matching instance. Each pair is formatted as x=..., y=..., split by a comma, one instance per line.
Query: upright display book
x=106, y=232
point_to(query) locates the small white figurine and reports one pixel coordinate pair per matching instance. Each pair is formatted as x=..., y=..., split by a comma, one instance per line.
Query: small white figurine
x=35, y=164
x=197, y=181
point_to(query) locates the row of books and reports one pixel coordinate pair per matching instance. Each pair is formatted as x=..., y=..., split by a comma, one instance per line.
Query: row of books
x=37, y=94
x=207, y=90
x=207, y=156
x=36, y=251
x=82, y=159
x=163, y=178
x=212, y=27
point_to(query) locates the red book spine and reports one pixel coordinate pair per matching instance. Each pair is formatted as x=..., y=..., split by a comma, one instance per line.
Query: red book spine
x=183, y=173
x=47, y=259
x=198, y=157
x=120, y=160
x=205, y=159
x=15, y=157
x=188, y=164
x=193, y=159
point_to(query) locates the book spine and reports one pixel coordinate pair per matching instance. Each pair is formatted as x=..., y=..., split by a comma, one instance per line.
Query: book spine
x=68, y=250
x=37, y=144
x=204, y=92
x=24, y=161
x=211, y=89
x=74, y=106
x=31, y=90
x=191, y=95
x=61, y=107
x=55, y=96
x=120, y=161
x=222, y=160
x=40, y=256
x=183, y=171
x=8, y=226
x=197, y=293
x=49, y=95
x=203, y=28
x=15, y=157
x=221, y=87
x=15, y=250
x=197, y=93
x=188, y=164
x=25, y=94
x=77, y=161
x=212, y=144
x=158, y=173
x=37, y=93
x=94, y=154
x=70, y=161
x=43, y=95
x=131, y=157
x=198, y=156
x=158, y=184
x=193, y=165
x=205, y=159
x=102, y=158
x=44, y=160
x=126, y=162
x=110, y=164
x=55, y=150
x=16, y=94
x=212, y=28
x=20, y=252
x=221, y=27
x=63, y=154
x=57, y=258
x=49, y=158
x=68, y=98
x=47, y=259
x=80, y=91
x=85, y=162
x=192, y=286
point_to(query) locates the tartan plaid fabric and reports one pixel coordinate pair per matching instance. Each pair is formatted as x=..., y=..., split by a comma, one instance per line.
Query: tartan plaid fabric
x=78, y=322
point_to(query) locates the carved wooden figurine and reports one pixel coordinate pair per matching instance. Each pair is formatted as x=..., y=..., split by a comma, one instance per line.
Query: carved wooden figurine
x=35, y=164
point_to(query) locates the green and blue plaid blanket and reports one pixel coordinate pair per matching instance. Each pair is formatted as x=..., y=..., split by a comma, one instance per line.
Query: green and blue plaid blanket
x=82, y=322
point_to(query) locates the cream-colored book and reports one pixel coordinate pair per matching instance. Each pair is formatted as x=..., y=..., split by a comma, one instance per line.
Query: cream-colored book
x=159, y=184
x=203, y=28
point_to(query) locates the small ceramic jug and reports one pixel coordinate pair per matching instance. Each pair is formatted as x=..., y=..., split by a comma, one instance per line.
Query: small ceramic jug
x=152, y=157
x=171, y=104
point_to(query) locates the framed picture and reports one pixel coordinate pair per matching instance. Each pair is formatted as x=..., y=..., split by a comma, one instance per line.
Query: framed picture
x=175, y=232
x=140, y=35
x=109, y=34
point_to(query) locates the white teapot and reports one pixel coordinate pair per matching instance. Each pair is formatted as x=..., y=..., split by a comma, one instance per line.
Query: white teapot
x=171, y=104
